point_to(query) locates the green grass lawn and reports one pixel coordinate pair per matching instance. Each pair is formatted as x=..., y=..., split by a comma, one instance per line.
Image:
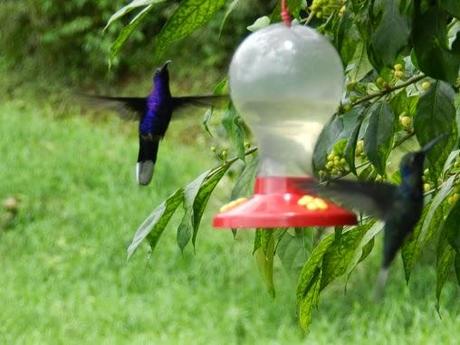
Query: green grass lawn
x=64, y=277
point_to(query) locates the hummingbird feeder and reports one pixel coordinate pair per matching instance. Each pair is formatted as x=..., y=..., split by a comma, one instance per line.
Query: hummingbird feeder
x=286, y=81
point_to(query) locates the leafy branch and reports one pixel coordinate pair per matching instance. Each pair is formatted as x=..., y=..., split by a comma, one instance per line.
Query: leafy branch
x=387, y=90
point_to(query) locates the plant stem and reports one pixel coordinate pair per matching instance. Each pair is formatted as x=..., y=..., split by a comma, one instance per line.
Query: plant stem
x=388, y=90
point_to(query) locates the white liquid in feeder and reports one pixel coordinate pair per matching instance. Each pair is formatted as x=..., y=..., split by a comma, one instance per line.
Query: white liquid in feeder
x=286, y=82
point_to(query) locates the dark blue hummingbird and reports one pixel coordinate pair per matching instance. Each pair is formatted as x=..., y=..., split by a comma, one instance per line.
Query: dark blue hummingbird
x=154, y=114
x=399, y=206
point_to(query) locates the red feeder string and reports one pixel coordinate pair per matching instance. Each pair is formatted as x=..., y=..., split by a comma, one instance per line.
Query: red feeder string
x=285, y=13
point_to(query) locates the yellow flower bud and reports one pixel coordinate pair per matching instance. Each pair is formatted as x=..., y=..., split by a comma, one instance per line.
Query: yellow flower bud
x=426, y=85
x=426, y=187
x=398, y=74
x=405, y=121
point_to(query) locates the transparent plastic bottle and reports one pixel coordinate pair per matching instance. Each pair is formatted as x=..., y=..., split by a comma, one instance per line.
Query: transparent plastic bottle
x=286, y=82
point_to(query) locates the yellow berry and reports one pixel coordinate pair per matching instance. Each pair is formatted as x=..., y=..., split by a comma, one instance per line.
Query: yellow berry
x=347, y=107
x=331, y=156
x=398, y=67
x=360, y=146
x=329, y=165
x=426, y=187
x=453, y=198
x=405, y=121
x=398, y=74
x=426, y=85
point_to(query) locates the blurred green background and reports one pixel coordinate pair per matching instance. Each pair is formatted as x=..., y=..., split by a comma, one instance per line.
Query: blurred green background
x=65, y=278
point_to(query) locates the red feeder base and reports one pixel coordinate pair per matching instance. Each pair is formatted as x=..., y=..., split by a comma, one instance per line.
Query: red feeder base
x=275, y=204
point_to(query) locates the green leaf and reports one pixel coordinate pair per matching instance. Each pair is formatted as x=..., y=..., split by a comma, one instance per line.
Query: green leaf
x=260, y=23
x=338, y=129
x=431, y=46
x=452, y=227
x=457, y=267
x=363, y=249
x=389, y=31
x=309, y=301
x=359, y=65
x=450, y=160
x=186, y=227
x=221, y=88
x=310, y=268
x=264, y=257
x=126, y=33
x=409, y=250
x=340, y=254
x=245, y=183
x=292, y=252
x=444, y=261
x=349, y=153
x=257, y=240
x=229, y=11
x=326, y=141
x=435, y=116
x=378, y=139
x=152, y=228
x=202, y=198
x=451, y=6
x=129, y=7
x=429, y=224
x=234, y=126
x=189, y=16
x=347, y=37
x=435, y=215
x=404, y=103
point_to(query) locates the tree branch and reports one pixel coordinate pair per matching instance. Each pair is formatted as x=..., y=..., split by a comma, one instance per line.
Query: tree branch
x=388, y=90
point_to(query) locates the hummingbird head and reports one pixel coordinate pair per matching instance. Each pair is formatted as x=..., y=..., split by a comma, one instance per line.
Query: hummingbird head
x=162, y=73
x=412, y=163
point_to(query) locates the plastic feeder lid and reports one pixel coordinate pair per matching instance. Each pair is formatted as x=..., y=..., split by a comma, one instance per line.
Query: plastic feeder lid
x=278, y=203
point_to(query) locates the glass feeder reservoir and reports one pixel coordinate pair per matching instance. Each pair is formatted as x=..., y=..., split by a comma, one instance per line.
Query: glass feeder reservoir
x=286, y=82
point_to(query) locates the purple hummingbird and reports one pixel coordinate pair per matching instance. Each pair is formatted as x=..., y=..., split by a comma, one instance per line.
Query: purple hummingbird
x=154, y=113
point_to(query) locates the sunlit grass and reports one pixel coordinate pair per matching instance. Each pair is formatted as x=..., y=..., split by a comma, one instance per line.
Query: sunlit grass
x=65, y=278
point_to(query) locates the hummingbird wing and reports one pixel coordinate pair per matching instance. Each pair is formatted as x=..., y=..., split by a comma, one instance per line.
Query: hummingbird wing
x=128, y=108
x=200, y=101
x=372, y=198
x=148, y=151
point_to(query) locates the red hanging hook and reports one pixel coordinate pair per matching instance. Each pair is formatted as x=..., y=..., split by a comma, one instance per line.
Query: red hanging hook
x=285, y=13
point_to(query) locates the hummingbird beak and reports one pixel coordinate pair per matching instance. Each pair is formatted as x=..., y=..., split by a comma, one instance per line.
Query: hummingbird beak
x=165, y=66
x=425, y=149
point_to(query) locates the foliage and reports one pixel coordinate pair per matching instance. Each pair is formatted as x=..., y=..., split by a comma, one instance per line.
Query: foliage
x=63, y=256
x=402, y=61
x=82, y=35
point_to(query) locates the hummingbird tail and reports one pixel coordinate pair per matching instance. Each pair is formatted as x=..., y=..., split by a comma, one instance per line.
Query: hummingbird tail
x=148, y=150
x=381, y=282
